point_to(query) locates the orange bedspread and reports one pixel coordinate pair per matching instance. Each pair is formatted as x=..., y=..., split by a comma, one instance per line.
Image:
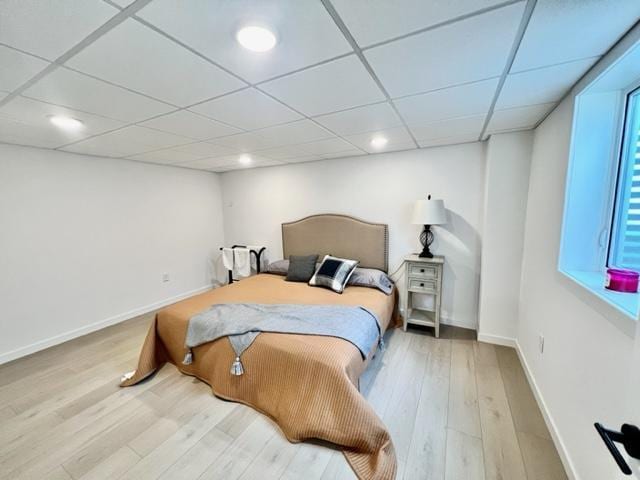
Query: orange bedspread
x=306, y=384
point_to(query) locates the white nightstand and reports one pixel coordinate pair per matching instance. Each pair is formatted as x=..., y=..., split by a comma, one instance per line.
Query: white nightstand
x=423, y=276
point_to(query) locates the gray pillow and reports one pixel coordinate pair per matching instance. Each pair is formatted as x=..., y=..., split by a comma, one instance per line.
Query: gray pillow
x=301, y=267
x=279, y=267
x=371, y=277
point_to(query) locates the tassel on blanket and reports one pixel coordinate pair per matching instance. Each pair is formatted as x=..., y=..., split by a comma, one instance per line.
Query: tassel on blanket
x=188, y=358
x=236, y=367
x=127, y=376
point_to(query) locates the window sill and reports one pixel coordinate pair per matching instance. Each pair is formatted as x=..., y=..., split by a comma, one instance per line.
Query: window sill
x=626, y=305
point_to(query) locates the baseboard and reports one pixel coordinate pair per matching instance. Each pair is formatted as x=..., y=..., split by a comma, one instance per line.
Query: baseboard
x=548, y=418
x=497, y=340
x=78, y=332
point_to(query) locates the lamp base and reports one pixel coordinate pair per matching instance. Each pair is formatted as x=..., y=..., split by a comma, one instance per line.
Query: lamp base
x=426, y=239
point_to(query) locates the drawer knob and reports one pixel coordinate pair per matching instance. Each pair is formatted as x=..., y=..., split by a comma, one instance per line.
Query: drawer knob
x=422, y=284
x=422, y=270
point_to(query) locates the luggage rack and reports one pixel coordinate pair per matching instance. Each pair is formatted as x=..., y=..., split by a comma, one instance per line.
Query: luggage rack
x=258, y=255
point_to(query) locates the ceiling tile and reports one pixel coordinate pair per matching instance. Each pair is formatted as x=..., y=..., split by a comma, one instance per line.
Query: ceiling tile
x=518, y=118
x=464, y=100
x=264, y=162
x=147, y=62
x=361, y=119
x=354, y=152
x=74, y=90
x=207, y=163
x=542, y=85
x=231, y=167
x=394, y=136
x=310, y=158
x=126, y=142
x=184, y=153
x=374, y=21
x=20, y=133
x=396, y=147
x=165, y=157
x=332, y=86
x=248, y=109
x=327, y=146
x=246, y=142
x=283, y=153
x=50, y=28
x=564, y=30
x=465, y=51
x=210, y=27
x=206, y=149
x=461, y=126
x=292, y=133
x=230, y=161
x=454, y=140
x=17, y=68
x=190, y=125
x=34, y=116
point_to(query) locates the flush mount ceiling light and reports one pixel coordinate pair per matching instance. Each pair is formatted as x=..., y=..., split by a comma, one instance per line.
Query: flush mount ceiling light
x=378, y=142
x=256, y=39
x=244, y=160
x=66, y=123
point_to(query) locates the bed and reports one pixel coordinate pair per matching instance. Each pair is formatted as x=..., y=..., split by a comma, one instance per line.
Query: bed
x=307, y=384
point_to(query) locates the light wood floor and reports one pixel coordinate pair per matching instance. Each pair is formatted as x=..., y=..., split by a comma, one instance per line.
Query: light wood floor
x=456, y=409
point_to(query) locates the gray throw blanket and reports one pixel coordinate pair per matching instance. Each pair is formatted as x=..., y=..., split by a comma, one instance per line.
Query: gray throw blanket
x=243, y=322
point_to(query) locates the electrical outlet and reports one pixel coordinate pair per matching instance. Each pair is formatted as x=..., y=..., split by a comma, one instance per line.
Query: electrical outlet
x=541, y=343
x=165, y=277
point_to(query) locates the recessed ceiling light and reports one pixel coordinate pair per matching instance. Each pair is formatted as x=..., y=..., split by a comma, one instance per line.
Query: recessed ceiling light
x=256, y=39
x=244, y=160
x=378, y=142
x=66, y=123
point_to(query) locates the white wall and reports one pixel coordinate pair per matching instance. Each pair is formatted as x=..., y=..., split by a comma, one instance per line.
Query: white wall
x=505, y=202
x=84, y=241
x=379, y=188
x=589, y=365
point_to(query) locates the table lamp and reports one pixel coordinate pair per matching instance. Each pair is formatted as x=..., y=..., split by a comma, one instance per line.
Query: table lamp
x=428, y=212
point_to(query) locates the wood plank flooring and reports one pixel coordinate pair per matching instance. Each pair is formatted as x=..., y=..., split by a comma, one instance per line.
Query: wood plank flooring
x=456, y=409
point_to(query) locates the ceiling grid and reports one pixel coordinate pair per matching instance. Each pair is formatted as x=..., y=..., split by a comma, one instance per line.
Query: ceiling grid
x=177, y=89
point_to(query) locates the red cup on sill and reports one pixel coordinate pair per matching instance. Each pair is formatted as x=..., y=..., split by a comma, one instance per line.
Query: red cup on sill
x=621, y=280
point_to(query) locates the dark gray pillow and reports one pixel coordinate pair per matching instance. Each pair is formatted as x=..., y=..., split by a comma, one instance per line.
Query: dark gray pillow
x=301, y=267
x=371, y=277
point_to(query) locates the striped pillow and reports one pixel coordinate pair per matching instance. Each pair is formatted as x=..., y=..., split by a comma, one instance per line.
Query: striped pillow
x=333, y=273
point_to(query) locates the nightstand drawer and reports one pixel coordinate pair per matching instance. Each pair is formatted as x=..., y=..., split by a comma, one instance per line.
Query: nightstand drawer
x=422, y=286
x=422, y=271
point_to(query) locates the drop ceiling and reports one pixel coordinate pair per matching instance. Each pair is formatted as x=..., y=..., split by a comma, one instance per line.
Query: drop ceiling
x=164, y=81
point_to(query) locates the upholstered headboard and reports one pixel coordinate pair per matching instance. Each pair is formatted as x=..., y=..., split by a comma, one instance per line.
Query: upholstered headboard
x=340, y=236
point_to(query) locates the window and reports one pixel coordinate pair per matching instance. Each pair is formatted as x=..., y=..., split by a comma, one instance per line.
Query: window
x=624, y=247
x=601, y=220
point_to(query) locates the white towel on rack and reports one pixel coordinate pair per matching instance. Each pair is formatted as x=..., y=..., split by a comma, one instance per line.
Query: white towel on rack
x=227, y=258
x=242, y=261
x=254, y=258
